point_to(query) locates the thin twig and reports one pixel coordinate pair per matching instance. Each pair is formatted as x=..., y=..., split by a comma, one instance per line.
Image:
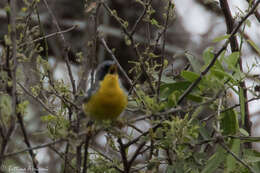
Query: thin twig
x=85, y=161
x=229, y=108
x=257, y=14
x=11, y=17
x=137, y=152
x=62, y=156
x=33, y=148
x=27, y=141
x=140, y=17
x=123, y=155
x=65, y=48
x=236, y=157
x=163, y=51
x=48, y=36
x=116, y=61
x=14, y=83
x=135, y=47
x=36, y=99
x=119, y=66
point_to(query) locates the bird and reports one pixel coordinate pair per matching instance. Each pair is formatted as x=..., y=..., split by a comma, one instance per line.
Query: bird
x=106, y=99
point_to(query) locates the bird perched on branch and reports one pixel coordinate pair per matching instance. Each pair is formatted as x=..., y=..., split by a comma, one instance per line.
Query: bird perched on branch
x=106, y=100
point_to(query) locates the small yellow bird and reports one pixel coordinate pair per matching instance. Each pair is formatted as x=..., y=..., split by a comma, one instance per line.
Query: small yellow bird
x=106, y=100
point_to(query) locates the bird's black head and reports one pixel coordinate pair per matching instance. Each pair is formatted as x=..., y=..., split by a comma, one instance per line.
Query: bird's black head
x=104, y=68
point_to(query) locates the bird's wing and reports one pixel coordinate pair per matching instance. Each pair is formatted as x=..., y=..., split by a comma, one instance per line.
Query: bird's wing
x=90, y=92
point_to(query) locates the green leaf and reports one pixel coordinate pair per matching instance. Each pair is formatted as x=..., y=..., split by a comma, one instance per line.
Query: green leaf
x=173, y=98
x=220, y=74
x=252, y=43
x=220, y=38
x=214, y=162
x=195, y=98
x=248, y=23
x=154, y=22
x=243, y=132
x=231, y=161
x=251, y=156
x=232, y=59
x=195, y=63
x=252, y=159
x=170, y=87
x=208, y=55
x=48, y=118
x=242, y=105
x=229, y=122
x=189, y=75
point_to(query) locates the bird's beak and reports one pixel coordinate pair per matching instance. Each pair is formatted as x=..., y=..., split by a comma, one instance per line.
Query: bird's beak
x=113, y=69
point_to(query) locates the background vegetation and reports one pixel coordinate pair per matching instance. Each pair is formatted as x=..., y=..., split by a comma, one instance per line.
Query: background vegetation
x=181, y=115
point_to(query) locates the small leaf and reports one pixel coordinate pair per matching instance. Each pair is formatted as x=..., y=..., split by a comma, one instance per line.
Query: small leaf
x=248, y=23
x=253, y=44
x=232, y=59
x=229, y=122
x=167, y=89
x=189, y=75
x=222, y=74
x=214, y=162
x=154, y=22
x=243, y=131
x=175, y=86
x=195, y=63
x=223, y=37
x=195, y=98
x=208, y=55
x=231, y=161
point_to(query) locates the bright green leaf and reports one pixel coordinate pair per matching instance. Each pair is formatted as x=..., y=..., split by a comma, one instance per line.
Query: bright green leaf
x=222, y=74
x=220, y=38
x=189, y=75
x=243, y=131
x=232, y=59
x=170, y=87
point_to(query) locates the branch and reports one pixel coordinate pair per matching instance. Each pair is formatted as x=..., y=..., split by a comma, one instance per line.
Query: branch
x=36, y=99
x=235, y=30
x=119, y=66
x=33, y=148
x=123, y=155
x=229, y=23
x=65, y=48
x=163, y=51
x=257, y=14
x=48, y=36
x=229, y=108
x=236, y=157
x=135, y=47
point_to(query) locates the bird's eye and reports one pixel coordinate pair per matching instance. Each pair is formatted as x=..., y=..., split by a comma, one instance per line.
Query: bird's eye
x=113, y=69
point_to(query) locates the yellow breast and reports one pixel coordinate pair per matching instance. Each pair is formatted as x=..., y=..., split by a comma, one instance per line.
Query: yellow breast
x=108, y=102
